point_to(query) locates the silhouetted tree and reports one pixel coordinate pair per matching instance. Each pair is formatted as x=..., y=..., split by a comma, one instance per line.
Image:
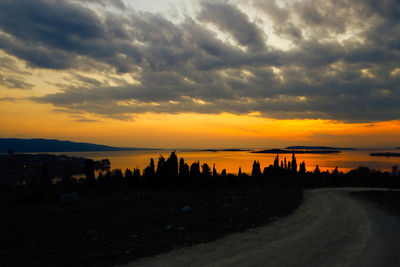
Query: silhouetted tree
x=240, y=171
x=276, y=162
x=100, y=178
x=89, y=172
x=183, y=168
x=394, y=169
x=268, y=170
x=107, y=179
x=136, y=176
x=149, y=170
x=149, y=174
x=128, y=176
x=256, y=171
x=317, y=171
x=173, y=165
x=335, y=172
x=105, y=165
x=206, y=171
x=161, y=166
x=394, y=176
x=214, y=172
x=117, y=176
x=162, y=171
x=195, y=169
x=223, y=173
x=294, y=163
x=302, y=169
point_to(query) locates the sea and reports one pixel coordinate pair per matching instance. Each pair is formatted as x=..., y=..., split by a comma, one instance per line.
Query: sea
x=231, y=160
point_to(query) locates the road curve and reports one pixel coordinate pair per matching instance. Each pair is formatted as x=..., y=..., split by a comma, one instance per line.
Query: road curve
x=330, y=228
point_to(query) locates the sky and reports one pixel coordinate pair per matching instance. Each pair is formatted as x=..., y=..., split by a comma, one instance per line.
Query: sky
x=201, y=74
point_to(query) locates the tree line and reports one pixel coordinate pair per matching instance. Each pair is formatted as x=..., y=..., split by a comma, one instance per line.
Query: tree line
x=170, y=171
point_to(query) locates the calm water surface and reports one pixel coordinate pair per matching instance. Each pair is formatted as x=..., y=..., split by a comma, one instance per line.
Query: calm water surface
x=232, y=160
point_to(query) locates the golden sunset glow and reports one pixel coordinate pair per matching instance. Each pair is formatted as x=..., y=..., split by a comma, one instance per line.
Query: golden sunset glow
x=188, y=130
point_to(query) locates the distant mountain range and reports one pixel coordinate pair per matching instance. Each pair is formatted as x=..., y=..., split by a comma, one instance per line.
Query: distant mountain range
x=320, y=148
x=53, y=145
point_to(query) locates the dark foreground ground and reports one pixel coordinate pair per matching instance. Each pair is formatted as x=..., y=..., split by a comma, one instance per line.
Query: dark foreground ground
x=103, y=227
x=388, y=199
x=330, y=228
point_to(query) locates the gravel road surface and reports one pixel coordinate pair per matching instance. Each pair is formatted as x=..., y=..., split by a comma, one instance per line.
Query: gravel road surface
x=330, y=228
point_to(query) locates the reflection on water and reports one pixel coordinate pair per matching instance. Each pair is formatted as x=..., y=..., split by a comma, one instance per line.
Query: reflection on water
x=232, y=160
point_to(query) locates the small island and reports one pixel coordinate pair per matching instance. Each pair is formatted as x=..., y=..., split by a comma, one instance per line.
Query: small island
x=291, y=151
x=385, y=154
x=319, y=148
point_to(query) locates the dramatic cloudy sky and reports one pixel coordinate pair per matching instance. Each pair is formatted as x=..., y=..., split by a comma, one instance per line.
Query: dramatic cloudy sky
x=225, y=73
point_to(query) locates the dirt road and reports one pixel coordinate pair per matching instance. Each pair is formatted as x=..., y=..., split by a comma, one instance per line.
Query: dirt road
x=331, y=228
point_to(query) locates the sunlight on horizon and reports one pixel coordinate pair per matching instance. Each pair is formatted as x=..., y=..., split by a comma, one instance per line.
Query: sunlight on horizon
x=188, y=130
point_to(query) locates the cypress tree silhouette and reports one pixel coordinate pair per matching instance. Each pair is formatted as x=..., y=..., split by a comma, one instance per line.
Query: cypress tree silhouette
x=276, y=162
x=195, y=169
x=183, y=168
x=317, y=171
x=302, y=169
x=294, y=163
x=161, y=172
x=149, y=174
x=173, y=165
x=214, y=172
x=160, y=166
x=256, y=171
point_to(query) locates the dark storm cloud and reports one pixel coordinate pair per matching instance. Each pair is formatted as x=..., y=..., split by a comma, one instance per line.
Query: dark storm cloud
x=229, y=18
x=341, y=63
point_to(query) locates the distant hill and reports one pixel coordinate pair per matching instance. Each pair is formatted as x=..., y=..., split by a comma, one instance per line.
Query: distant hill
x=224, y=150
x=52, y=145
x=287, y=151
x=320, y=148
x=385, y=154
